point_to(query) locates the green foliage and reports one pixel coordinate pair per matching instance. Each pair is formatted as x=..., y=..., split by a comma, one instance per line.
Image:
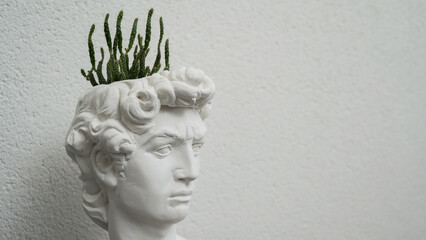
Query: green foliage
x=101, y=77
x=118, y=65
x=157, y=64
x=107, y=33
x=91, y=50
x=148, y=28
x=132, y=35
x=118, y=33
x=166, y=55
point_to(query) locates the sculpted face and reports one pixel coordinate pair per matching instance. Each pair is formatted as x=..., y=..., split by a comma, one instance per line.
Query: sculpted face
x=159, y=175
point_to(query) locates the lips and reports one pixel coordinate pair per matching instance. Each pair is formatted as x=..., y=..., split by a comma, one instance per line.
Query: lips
x=181, y=196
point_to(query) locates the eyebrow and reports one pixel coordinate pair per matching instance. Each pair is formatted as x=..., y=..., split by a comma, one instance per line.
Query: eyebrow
x=175, y=135
x=166, y=133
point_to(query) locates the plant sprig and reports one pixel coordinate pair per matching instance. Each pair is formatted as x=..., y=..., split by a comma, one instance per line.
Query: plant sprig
x=117, y=66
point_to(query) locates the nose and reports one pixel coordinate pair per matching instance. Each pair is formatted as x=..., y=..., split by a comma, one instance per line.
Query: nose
x=189, y=165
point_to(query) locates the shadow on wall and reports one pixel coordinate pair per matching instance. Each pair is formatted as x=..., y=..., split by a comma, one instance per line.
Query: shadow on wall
x=54, y=209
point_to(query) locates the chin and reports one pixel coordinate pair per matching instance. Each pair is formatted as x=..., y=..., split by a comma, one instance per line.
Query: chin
x=177, y=213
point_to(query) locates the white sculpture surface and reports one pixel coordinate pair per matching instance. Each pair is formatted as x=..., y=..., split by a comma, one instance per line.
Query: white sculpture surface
x=137, y=144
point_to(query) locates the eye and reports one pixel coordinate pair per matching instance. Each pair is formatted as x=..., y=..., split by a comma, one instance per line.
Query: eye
x=196, y=147
x=163, y=151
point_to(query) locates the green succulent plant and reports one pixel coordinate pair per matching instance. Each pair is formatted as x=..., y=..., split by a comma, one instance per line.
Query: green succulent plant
x=118, y=65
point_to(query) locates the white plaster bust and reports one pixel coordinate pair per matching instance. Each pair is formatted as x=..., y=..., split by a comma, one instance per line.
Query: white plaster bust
x=137, y=144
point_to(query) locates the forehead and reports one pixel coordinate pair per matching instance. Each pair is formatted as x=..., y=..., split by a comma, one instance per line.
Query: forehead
x=183, y=122
x=177, y=117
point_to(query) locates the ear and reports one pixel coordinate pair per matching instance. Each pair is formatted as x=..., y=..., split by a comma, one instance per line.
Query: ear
x=103, y=168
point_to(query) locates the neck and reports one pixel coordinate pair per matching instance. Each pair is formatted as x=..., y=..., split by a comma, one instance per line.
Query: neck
x=122, y=226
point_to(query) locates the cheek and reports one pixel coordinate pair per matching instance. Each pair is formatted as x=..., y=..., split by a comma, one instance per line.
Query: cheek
x=147, y=173
x=147, y=185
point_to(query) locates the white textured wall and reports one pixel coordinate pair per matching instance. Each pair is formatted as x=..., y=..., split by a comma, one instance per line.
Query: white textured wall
x=318, y=129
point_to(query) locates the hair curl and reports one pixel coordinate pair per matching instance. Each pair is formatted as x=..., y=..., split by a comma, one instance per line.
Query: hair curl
x=106, y=114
